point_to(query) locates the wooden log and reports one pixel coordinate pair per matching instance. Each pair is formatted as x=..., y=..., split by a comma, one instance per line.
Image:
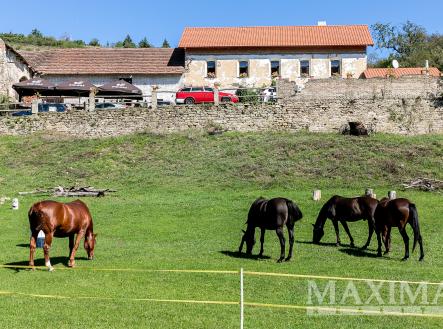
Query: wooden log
x=316, y=195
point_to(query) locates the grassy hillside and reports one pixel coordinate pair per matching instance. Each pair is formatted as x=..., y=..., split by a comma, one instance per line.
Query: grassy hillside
x=181, y=203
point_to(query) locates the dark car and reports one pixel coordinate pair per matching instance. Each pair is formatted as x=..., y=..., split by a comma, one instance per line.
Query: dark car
x=43, y=107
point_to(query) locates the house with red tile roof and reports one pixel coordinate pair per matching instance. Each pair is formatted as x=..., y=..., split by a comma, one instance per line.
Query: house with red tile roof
x=254, y=56
x=399, y=72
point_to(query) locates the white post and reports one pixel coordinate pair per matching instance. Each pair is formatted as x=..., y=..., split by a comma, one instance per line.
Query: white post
x=154, y=97
x=241, y=299
x=316, y=195
x=216, y=96
x=392, y=195
x=91, y=103
x=34, y=106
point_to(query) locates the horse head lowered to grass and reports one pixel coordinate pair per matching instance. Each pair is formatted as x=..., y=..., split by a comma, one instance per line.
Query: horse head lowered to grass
x=340, y=209
x=271, y=214
x=61, y=220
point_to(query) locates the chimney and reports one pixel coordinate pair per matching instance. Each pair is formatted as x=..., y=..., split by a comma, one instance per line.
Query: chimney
x=321, y=23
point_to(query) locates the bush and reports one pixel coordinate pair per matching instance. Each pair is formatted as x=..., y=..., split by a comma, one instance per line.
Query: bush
x=248, y=95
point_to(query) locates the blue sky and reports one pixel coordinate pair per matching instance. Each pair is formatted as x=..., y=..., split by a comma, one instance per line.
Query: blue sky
x=111, y=20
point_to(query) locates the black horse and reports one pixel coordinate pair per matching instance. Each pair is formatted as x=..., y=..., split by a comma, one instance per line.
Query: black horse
x=271, y=214
x=397, y=212
x=340, y=209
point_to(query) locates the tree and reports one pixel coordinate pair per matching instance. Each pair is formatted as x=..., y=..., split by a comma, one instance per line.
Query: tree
x=144, y=43
x=128, y=43
x=165, y=44
x=36, y=34
x=408, y=43
x=94, y=42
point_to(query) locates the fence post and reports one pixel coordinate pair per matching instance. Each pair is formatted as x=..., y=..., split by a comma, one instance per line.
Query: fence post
x=91, y=104
x=316, y=195
x=392, y=195
x=154, y=97
x=216, y=96
x=241, y=299
x=34, y=106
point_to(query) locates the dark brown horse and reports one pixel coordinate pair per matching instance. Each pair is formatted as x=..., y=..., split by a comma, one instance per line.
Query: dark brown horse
x=271, y=214
x=61, y=220
x=397, y=212
x=340, y=209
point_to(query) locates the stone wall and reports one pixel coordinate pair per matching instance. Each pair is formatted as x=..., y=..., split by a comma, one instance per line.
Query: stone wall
x=401, y=106
x=379, y=88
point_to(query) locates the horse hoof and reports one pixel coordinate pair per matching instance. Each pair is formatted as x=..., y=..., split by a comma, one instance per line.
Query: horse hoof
x=51, y=269
x=404, y=259
x=338, y=244
x=280, y=260
x=421, y=259
x=287, y=259
x=386, y=252
x=364, y=247
x=352, y=245
x=379, y=254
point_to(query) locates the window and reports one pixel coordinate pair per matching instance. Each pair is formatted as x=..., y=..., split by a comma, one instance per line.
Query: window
x=197, y=89
x=209, y=89
x=243, y=69
x=275, y=69
x=335, y=67
x=304, y=68
x=185, y=89
x=210, y=69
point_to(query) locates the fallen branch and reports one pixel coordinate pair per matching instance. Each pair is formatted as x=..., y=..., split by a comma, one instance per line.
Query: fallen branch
x=424, y=184
x=59, y=191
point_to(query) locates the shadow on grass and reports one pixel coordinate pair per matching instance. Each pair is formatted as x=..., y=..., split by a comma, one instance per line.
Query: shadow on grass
x=358, y=252
x=236, y=254
x=40, y=262
x=326, y=244
x=22, y=245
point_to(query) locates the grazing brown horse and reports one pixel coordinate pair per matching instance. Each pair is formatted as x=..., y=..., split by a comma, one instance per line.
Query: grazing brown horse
x=61, y=220
x=340, y=209
x=397, y=212
x=271, y=214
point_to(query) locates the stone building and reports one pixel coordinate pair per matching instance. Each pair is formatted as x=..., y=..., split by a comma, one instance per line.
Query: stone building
x=13, y=68
x=253, y=56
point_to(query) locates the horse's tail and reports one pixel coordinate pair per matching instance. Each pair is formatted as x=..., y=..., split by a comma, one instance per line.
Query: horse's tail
x=413, y=218
x=294, y=211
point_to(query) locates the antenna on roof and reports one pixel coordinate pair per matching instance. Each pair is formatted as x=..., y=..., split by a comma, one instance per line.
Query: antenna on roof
x=395, y=64
x=321, y=23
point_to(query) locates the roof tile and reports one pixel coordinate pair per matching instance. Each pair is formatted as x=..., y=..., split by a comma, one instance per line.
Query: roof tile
x=401, y=71
x=106, y=61
x=276, y=36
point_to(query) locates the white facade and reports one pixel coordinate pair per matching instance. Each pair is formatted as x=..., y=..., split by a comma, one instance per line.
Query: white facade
x=259, y=67
x=12, y=70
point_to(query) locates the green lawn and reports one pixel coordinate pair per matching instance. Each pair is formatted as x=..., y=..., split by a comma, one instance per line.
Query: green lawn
x=182, y=201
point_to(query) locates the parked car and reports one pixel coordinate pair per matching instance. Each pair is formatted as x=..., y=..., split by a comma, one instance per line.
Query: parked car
x=111, y=106
x=268, y=94
x=43, y=107
x=197, y=95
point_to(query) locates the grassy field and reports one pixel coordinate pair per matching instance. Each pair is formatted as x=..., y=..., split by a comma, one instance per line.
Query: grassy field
x=181, y=203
